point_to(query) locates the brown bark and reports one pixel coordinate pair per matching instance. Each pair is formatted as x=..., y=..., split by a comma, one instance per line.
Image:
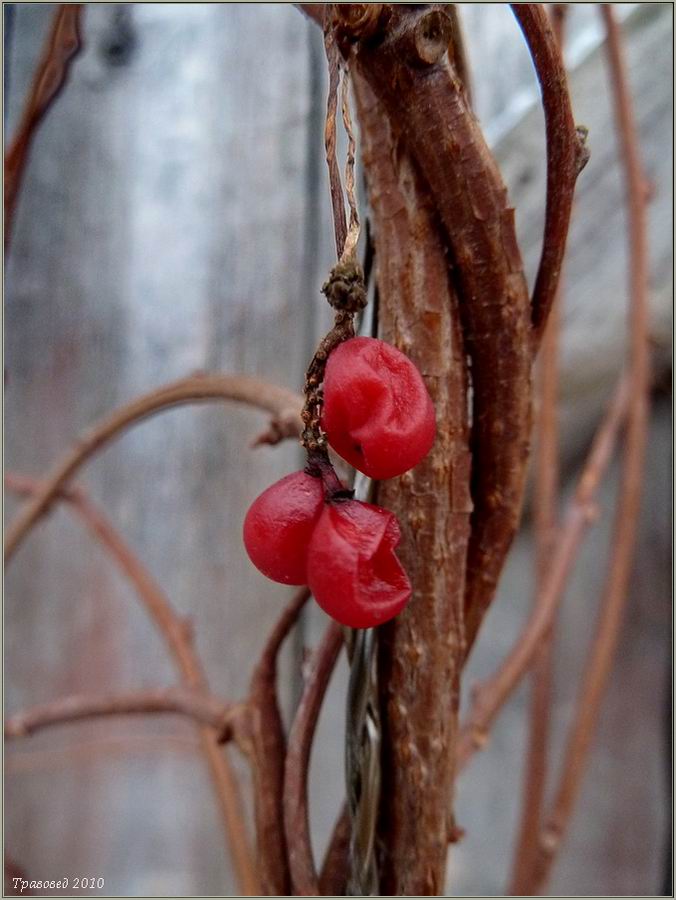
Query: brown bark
x=424, y=97
x=421, y=651
x=61, y=47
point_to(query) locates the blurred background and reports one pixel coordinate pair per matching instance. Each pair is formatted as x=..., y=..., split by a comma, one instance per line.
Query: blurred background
x=174, y=217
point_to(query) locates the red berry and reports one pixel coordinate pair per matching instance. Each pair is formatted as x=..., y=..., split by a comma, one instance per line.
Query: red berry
x=377, y=413
x=279, y=524
x=352, y=570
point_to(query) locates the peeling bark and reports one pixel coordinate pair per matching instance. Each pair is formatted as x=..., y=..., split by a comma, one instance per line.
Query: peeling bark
x=421, y=651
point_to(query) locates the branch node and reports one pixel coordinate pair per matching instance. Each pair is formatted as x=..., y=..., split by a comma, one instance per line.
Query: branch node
x=431, y=37
x=359, y=21
x=345, y=289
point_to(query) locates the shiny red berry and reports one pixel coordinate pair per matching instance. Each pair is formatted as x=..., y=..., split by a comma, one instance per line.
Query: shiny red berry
x=377, y=412
x=279, y=525
x=352, y=569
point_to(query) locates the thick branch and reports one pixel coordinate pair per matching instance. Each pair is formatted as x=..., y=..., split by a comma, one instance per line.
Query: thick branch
x=490, y=696
x=178, y=637
x=421, y=651
x=61, y=47
x=296, y=820
x=615, y=594
x=196, y=705
x=283, y=405
x=424, y=99
x=566, y=155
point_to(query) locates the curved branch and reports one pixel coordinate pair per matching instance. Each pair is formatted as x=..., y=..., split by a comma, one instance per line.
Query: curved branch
x=615, y=594
x=283, y=405
x=264, y=740
x=333, y=876
x=489, y=697
x=567, y=155
x=296, y=823
x=545, y=522
x=200, y=707
x=61, y=47
x=178, y=637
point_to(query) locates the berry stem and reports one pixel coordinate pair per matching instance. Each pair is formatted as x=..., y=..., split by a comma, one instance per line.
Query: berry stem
x=346, y=293
x=319, y=466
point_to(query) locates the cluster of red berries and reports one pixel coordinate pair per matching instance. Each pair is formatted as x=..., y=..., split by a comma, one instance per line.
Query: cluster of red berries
x=307, y=529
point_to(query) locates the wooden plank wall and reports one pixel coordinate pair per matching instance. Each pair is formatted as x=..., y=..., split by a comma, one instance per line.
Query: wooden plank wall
x=174, y=217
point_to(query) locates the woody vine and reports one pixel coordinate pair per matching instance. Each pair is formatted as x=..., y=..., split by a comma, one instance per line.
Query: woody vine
x=458, y=508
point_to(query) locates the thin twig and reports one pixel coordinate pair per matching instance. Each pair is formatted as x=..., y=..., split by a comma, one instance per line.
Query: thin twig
x=489, y=697
x=352, y=238
x=566, y=155
x=337, y=200
x=177, y=634
x=282, y=404
x=615, y=594
x=296, y=821
x=61, y=47
x=195, y=705
x=263, y=738
x=545, y=504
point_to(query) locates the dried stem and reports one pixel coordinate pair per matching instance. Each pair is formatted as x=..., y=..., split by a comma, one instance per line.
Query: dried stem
x=61, y=47
x=197, y=705
x=282, y=404
x=337, y=199
x=615, y=594
x=178, y=637
x=296, y=820
x=489, y=697
x=545, y=524
x=567, y=155
x=352, y=237
x=344, y=290
x=263, y=739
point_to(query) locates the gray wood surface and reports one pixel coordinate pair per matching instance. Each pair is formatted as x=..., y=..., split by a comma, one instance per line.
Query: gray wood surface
x=174, y=217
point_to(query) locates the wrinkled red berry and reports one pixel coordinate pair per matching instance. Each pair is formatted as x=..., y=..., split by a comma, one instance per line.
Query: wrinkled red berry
x=377, y=412
x=279, y=525
x=352, y=569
